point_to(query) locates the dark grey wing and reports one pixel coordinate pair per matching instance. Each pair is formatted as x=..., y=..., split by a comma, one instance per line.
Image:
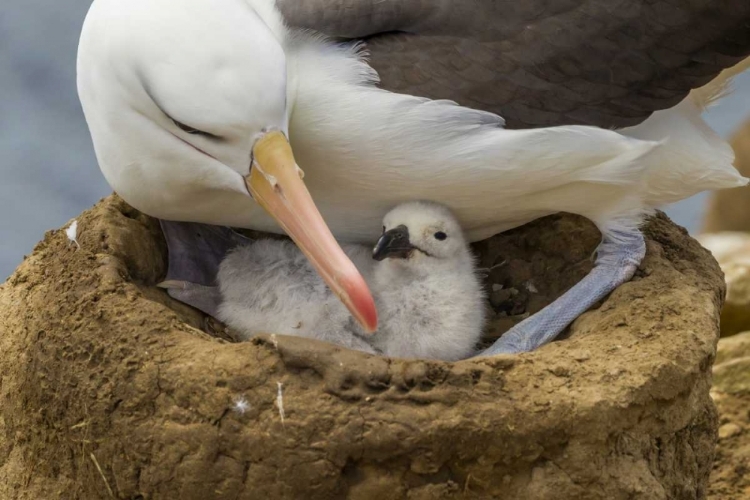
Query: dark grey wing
x=609, y=63
x=195, y=252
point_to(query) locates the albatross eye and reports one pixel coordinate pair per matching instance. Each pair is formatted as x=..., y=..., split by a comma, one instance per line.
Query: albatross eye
x=440, y=236
x=190, y=130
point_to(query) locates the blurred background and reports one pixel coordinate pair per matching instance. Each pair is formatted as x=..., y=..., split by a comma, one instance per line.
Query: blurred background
x=47, y=162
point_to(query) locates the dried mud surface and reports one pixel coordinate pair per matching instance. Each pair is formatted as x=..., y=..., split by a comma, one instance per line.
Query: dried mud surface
x=109, y=389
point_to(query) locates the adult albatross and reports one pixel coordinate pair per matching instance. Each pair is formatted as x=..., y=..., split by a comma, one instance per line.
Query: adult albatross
x=193, y=105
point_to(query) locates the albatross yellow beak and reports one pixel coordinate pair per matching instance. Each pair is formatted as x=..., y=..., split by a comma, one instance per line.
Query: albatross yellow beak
x=275, y=182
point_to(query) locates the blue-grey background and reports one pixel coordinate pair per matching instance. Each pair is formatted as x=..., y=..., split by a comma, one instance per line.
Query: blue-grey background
x=48, y=170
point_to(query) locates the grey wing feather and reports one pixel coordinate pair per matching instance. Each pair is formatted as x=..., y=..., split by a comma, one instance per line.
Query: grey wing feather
x=609, y=63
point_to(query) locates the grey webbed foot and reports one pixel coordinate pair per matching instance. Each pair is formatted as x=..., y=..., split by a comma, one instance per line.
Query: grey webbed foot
x=618, y=257
x=195, y=253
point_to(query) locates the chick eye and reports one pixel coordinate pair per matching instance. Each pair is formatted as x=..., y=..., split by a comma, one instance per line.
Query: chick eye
x=440, y=236
x=383, y=228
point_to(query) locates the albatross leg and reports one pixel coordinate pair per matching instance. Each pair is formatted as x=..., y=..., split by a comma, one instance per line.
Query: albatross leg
x=195, y=253
x=618, y=256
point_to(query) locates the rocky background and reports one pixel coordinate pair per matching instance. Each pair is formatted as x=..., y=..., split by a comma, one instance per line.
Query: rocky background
x=727, y=235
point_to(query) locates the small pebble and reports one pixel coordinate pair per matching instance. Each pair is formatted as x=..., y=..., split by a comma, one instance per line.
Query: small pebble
x=498, y=298
x=582, y=355
x=729, y=430
x=560, y=371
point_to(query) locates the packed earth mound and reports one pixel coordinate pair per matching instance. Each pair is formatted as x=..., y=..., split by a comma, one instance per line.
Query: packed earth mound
x=109, y=389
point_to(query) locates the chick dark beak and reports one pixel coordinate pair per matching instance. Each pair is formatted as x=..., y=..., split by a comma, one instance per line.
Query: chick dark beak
x=393, y=244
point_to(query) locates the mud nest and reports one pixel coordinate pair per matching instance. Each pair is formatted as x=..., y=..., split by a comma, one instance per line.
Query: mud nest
x=109, y=389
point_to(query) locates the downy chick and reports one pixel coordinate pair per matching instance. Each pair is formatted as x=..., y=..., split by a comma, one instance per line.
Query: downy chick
x=421, y=272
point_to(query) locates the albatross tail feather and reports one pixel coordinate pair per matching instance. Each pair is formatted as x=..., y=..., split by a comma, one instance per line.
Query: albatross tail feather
x=719, y=87
x=693, y=158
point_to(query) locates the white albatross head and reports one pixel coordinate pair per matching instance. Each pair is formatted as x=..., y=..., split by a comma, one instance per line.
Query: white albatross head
x=186, y=102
